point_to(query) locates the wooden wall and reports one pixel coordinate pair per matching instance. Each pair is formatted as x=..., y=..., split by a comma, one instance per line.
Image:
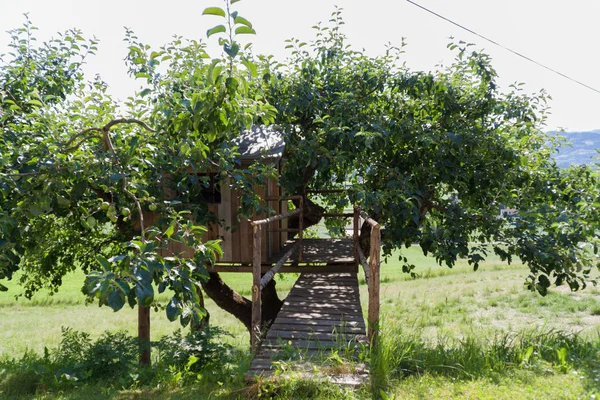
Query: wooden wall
x=235, y=231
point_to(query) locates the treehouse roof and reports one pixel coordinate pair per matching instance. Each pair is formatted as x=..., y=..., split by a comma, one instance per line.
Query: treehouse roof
x=260, y=141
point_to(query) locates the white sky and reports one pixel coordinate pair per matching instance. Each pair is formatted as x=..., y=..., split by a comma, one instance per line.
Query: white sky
x=563, y=35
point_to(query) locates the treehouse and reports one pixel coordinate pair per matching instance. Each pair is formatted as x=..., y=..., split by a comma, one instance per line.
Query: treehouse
x=258, y=144
x=324, y=304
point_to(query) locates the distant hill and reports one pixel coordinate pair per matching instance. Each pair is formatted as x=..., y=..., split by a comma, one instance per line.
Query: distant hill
x=582, y=149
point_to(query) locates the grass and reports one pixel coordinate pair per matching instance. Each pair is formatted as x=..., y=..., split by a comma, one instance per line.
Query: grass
x=449, y=333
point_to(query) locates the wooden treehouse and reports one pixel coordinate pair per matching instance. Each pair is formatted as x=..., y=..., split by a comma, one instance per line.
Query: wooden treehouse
x=323, y=309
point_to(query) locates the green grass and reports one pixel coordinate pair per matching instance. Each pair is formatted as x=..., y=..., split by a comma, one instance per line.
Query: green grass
x=443, y=330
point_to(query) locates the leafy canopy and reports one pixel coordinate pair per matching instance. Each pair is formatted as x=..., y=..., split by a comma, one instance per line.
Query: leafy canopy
x=435, y=156
x=85, y=182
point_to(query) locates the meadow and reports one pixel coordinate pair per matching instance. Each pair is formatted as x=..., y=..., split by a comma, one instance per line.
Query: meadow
x=448, y=333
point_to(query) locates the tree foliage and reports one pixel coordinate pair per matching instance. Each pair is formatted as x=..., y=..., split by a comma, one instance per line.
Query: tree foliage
x=432, y=156
x=435, y=156
x=81, y=174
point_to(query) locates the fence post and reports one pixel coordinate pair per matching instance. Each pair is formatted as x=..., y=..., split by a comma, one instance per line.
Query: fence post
x=256, y=292
x=374, y=263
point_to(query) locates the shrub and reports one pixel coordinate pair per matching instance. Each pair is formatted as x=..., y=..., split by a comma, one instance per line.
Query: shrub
x=178, y=349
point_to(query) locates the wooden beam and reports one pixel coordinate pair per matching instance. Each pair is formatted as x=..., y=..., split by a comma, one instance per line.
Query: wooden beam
x=277, y=198
x=300, y=228
x=269, y=275
x=256, y=291
x=326, y=191
x=368, y=219
x=374, y=264
x=277, y=217
x=355, y=238
x=289, y=269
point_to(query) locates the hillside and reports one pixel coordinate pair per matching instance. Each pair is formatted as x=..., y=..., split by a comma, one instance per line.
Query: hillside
x=582, y=149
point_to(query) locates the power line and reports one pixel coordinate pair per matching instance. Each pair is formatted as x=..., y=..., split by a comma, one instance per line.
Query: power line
x=504, y=47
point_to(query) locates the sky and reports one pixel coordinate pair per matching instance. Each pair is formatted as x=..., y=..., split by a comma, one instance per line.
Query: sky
x=562, y=35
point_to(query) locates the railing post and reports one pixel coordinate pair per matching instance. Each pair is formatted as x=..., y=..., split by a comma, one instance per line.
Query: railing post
x=256, y=291
x=300, y=227
x=374, y=263
x=355, y=235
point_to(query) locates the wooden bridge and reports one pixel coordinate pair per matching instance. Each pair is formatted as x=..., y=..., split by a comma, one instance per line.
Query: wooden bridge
x=322, y=313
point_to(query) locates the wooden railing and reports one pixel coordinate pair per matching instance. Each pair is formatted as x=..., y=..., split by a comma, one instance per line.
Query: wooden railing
x=258, y=282
x=371, y=268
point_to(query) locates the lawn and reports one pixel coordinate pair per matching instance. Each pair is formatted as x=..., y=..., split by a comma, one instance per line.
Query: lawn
x=441, y=334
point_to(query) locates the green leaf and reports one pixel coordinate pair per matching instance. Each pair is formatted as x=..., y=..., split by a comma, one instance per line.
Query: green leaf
x=91, y=221
x=214, y=11
x=116, y=300
x=3, y=288
x=169, y=232
x=172, y=310
x=144, y=294
x=232, y=50
x=245, y=30
x=103, y=262
x=35, y=102
x=216, y=29
x=242, y=21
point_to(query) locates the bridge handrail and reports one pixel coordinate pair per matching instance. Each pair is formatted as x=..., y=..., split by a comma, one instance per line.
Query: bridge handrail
x=372, y=269
x=258, y=282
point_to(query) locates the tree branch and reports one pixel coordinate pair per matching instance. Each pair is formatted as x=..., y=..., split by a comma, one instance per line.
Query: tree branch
x=114, y=122
x=108, y=141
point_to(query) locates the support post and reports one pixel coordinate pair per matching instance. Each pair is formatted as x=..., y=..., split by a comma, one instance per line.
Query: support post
x=144, y=334
x=300, y=228
x=355, y=235
x=374, y=280
x=256, y=291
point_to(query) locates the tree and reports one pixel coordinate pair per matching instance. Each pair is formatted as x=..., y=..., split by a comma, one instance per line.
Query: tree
x=77, y=179
x=432, y=156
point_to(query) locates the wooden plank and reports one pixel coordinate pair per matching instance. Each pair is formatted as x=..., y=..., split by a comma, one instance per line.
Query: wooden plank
x=340, y=299
x=274, y=239
x=224, y=213
x=269, y=275
x=316, y=328
x=319, y=336
x=284, y=269
x=324, y=316
x=245, y=243
x=261, y=192
x=317, y=322
x=321, y=313
x=236, y=238
x=284, y=224
x=280, y=353
x=374, y=263
x=325, y=308
x=256, y=291
x=313, y=344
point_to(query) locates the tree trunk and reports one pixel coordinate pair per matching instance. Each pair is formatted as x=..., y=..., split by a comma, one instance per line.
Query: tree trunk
x=239, y=306
x=311, y=213
x=144, y=334
x=364, y=240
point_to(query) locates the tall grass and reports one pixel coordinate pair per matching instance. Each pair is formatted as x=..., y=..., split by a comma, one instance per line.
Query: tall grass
x=402, y=353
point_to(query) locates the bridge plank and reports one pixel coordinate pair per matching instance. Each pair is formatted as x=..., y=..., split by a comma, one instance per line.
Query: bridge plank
x=321, y=313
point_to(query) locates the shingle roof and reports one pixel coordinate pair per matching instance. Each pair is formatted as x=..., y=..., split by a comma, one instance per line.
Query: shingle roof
x=260, y=141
